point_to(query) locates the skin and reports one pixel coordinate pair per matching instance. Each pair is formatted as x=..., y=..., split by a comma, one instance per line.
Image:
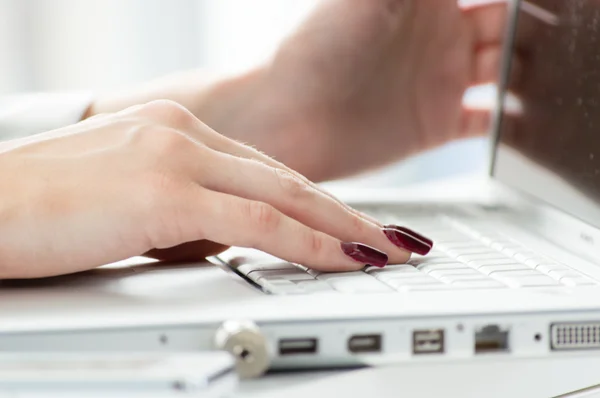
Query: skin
x=359, y=80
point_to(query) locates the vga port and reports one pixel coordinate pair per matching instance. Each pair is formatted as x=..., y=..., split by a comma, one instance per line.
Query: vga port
x=575, y=336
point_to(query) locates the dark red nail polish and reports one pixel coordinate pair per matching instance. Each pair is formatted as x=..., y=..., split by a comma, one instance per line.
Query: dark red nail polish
x=365, y=254
x=410, y=232
x=408, y=241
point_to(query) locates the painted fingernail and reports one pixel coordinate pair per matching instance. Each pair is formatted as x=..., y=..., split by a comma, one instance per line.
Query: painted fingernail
x=365, y=254
x=408, y=240
x=410, y=232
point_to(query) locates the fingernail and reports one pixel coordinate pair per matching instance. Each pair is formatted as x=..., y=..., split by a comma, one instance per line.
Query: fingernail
x=408, y=240
x=365, y=254
x=410, y=232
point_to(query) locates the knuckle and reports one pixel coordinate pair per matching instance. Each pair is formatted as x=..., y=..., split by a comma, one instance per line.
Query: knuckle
x=158, y=140
x=169, y=112
x=263, y=217
x=358, y=224
x=315, y=242
x=291, y=185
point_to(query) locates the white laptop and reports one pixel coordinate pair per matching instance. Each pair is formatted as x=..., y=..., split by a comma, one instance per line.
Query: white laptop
x=515, y=278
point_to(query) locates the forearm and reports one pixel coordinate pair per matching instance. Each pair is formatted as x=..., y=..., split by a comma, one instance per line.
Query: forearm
x=242, y=107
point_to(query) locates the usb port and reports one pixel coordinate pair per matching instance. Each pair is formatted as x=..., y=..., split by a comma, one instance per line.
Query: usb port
x=491, y=338
x=298, y=346
x=364, y=343
x=428, y=341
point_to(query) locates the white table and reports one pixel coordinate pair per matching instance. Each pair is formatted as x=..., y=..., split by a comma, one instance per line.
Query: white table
x=505, y=378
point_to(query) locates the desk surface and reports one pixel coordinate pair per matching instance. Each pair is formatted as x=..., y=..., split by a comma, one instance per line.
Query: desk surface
x=529, y=378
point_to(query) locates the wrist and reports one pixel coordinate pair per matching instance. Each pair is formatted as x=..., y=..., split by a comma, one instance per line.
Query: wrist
x=252, y=108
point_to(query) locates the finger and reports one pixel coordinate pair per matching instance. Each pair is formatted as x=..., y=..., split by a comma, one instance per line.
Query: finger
x=223, y=144
x=475, y=122
x=176, y=116
x=235, y=221
x=283, y=190
x=488, y=20
x=487, y=65
x=189, y=251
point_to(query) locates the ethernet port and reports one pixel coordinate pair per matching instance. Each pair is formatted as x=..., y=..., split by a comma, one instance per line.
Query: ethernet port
x=491, y=339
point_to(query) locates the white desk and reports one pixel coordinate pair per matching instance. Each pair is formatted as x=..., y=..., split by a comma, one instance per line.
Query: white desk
x=504, y=378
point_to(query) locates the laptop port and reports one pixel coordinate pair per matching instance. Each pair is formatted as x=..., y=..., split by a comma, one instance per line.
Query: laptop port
x=298, y=346
x=364, y=343
x=575, y=336
x=428, y=341
x=491, y=338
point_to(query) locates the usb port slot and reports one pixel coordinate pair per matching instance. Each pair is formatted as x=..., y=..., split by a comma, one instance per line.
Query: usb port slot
x=364, y=343
x=298, y=346
x=428, y=341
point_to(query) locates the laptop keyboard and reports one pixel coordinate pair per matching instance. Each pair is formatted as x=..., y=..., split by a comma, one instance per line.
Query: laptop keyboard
x=468, y=254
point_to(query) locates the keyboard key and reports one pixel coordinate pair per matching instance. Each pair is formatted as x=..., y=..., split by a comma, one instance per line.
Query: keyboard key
x=504, y=245
x=558, y=274
x=358, y=285
x=388, y=277
x=280, y=265
x=516, y=273
x=446, y=272
x=546, y=268
x=526, y=255
x=446, y=246
x=457, y=278
x=327, y=276
x=437, y=267
x=396, y=283
x=290, y=275
x=497, y=261
x=428, y=260
x=237, y=256
x=385, y=278
x=477, y=257
x=280, y=286
x=430, y=287
x=472, y=250
x=405, y=268
x=314, y=286
x=490, y=240
x=478, y=284
x=488, y=269
x=526, y=281
x=577, y=281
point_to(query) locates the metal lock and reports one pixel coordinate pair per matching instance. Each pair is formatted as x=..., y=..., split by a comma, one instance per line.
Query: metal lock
x=245, y=341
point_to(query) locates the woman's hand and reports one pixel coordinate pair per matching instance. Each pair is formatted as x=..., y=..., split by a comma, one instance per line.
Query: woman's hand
x=360, y=84
x=153, y=177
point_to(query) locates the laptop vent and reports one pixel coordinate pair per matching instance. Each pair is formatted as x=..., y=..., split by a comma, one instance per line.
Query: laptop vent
x=575, y=336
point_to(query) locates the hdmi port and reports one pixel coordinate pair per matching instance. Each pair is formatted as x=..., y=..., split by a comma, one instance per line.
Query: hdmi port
x=298, y=346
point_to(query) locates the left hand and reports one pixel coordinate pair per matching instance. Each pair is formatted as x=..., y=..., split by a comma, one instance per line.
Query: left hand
x=360, y=84
x=383, y=79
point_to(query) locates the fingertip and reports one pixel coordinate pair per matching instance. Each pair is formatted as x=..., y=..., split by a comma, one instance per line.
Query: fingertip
x=364, y=254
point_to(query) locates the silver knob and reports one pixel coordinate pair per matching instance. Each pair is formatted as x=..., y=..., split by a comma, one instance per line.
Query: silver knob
x=245, y=341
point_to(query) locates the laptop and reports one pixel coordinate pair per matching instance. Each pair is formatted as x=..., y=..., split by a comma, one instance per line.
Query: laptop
x=515, y=277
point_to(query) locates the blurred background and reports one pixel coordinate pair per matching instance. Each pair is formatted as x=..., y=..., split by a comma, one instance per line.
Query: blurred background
x=64, y=45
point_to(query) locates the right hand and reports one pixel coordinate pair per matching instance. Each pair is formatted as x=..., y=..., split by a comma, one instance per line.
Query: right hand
x=153, y=177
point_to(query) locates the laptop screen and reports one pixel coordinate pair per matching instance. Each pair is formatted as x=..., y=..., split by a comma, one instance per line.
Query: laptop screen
x=549, y=129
